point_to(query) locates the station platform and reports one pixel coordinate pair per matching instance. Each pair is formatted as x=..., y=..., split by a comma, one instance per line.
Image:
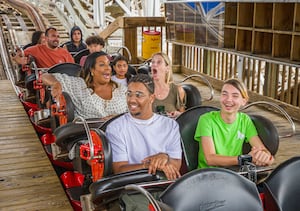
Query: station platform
x=28, y=180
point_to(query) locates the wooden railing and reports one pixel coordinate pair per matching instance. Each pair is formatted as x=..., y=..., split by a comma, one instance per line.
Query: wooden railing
x=266, y=79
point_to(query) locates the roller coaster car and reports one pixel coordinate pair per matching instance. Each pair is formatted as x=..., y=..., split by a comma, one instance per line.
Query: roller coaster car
x=91, y=156
x=101, y=193
x=188, y=122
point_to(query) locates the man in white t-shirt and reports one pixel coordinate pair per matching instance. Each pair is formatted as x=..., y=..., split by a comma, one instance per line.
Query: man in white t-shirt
x=142, y=139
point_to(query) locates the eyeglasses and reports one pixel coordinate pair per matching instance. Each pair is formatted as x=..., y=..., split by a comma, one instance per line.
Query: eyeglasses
x=137, y=94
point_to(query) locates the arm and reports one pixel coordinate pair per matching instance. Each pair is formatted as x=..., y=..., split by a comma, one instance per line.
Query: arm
x=50, y=80
x=213, y=159
x=160, y=161
x=182, y=98
x=260, y=155
x=19, y=58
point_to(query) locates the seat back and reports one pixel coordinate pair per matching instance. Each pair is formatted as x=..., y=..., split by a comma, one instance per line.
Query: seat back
x=212, y=189
x=104, y=125
x=193, y=96
x=71, y=69
x=187, y=122
x=80, y=54
x=111, y=187
x=267, y=132
x=282, y=187
x=72, y=135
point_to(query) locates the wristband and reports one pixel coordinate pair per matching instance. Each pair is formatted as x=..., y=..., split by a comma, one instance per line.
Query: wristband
x=242, y=159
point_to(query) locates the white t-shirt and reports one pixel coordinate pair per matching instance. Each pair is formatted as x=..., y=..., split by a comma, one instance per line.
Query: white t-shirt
x=133, y=139
x=118, y=80
x=89, y=105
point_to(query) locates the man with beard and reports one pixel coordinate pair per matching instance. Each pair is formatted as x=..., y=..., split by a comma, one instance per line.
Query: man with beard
x=47, y=55
x=141, y=138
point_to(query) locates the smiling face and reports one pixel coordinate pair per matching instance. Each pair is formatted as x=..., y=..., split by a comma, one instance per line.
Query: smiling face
x=52, y=39
x=231, y=99
x=101, y=71
x=139, y=101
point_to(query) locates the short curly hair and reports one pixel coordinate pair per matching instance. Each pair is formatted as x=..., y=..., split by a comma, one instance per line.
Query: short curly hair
x=95, y=39
x=144, y=79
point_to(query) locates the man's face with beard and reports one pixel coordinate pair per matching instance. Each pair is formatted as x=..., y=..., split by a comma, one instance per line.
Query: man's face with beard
x=52, y=38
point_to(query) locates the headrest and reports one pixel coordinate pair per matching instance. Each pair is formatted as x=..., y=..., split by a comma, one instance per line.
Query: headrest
x=211, y=189
x=282, y=187
x=71, y=69
x=108, y=186
x=193, y=96
x=267, y=133
x=187, y=122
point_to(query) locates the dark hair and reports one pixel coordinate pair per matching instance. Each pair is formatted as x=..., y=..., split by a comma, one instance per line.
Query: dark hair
x=36, y=36
x=144, y=79
x=90, y=64
x=119, y=58
x=48, y=29
x=95, y=39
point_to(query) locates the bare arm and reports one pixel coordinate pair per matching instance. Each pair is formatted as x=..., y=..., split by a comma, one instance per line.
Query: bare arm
x=19, y=58
x=182, y=97
x=174, y=114
x=160, y=161
x=260, y=154
x=50, y=80
x=214, y=159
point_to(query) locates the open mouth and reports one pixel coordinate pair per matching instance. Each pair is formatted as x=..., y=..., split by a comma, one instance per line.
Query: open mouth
x=154, y=71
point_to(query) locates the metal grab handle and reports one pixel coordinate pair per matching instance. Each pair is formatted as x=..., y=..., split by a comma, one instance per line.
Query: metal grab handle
x=285, y=114
x=87, y=130
x=205, y=80
x=128, y=52
x=151, y=199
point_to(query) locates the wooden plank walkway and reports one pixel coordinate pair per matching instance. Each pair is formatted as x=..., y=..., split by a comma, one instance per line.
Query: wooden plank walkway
x=27, y=178
x=288, y=147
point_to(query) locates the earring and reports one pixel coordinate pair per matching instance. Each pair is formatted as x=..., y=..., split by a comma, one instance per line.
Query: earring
x=92, y=74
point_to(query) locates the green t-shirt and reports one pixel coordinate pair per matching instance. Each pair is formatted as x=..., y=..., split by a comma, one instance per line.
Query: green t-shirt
x=228, y=138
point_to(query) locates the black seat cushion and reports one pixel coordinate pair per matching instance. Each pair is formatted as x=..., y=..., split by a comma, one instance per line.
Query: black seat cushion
x=71, y=69
x=193, y=96
x=68, y=134
x=282, y=187
x=113, y=185
x=188, y=121
x=80, y=54
x=267, y=133
x=107, y=122
x=212, y=189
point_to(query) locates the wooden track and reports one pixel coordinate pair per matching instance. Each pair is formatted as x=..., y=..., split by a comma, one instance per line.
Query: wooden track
x=27, y=178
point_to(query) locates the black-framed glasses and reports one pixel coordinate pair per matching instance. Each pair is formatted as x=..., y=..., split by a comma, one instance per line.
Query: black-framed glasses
x=137, y=94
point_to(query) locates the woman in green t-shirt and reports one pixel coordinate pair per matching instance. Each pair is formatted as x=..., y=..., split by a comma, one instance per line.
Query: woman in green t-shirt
x=221, y=134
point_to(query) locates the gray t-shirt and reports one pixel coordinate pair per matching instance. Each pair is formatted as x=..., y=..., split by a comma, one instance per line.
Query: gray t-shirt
x=133, y=139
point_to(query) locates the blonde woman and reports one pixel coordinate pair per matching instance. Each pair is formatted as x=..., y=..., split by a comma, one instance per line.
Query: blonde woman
x=221, y=134
x=169, y=97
